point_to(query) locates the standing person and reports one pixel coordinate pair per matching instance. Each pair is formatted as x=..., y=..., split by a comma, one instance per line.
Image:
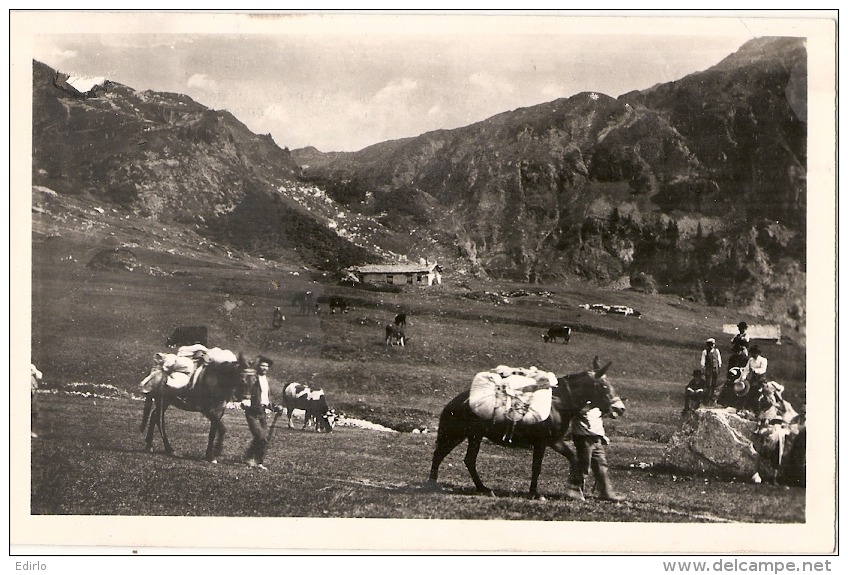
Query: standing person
x=34, y=383
x=710, y=364
x=277, y=321
x=587, y=430
x=256, y=401
x=741, y=340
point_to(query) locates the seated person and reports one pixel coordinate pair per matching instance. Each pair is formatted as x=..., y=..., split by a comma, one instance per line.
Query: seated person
x=696, y=391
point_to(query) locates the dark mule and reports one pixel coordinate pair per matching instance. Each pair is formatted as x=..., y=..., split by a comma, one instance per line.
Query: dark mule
x=218, y=384
x=458, y=423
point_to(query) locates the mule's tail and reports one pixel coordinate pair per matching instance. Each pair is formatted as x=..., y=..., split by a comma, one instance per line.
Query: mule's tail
x=148, y=407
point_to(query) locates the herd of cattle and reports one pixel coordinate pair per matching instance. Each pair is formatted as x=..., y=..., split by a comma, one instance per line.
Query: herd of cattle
x=313, y=402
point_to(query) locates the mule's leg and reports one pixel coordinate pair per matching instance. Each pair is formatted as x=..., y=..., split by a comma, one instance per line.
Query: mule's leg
x=161, y=422
x=216, y=436
x=561, y=447
x=538, y=456
x=474, y=442
x=444, y=445
x=145, y=416
x=151, y=428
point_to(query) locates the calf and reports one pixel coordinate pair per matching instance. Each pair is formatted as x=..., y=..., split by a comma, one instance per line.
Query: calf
x=394, y=335
x=558, y=331
x=337, y=302
x=400, y=320
x=188, y=335
x=313, y=402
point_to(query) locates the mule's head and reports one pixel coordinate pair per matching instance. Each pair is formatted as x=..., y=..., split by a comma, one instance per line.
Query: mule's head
x=590, y=387
x=605, y=397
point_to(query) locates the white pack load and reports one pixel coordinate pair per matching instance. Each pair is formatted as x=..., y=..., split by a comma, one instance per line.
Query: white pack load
x=215, y=354
x=515, y=394
x=178, y=368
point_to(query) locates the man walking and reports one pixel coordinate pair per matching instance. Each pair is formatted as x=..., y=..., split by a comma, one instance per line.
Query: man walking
x=257, y=400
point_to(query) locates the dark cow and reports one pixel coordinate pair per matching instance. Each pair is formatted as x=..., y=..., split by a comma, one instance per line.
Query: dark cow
x=306, y=301
x=394, y=335
x=558, y=331
x=313, y=402
x=400, y=320
x=188, y=335
x=337, y=302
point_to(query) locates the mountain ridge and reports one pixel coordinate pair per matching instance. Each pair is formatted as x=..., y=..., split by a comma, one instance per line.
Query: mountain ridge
x=698, y=184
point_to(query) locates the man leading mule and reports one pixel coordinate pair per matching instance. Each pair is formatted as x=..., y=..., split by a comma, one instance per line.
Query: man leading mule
x=459, y=422
x=216, y=385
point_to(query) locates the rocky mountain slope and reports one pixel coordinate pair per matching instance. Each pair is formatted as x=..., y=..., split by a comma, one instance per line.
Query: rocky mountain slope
x=164, y=157
x=695, y=187
x=698, y=185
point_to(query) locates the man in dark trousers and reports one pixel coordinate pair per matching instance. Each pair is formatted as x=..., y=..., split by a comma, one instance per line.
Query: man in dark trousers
x=255, y=403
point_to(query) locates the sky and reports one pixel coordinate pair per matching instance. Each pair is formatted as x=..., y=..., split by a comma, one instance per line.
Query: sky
x=341, y=82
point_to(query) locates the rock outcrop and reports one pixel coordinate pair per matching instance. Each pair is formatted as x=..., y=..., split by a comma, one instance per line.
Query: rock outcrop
x=720, y=442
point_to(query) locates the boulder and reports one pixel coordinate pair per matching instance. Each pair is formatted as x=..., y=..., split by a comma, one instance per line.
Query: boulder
x=117, y=259
x=714, y=441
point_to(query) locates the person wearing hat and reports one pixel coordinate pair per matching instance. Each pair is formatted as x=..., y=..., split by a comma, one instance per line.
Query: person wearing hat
x=710, y=364
x=741, y=341
x=696, y=391
x=256, y=401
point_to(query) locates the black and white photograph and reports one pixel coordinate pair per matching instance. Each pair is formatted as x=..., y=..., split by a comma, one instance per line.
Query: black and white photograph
x=411, y=282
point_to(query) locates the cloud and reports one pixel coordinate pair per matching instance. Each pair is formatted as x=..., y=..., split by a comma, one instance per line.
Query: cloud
x=396, y=89
x=435, y=111
x=490, y=83
x=202, y=82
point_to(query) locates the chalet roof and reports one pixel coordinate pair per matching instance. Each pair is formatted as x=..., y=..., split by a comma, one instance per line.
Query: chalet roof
x=394, y=268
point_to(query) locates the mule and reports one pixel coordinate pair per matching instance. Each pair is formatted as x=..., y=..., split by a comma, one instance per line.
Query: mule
x=458, y=423
x=217, y=385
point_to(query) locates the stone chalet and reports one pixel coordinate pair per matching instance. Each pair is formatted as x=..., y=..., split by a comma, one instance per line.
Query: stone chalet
x=420, y=274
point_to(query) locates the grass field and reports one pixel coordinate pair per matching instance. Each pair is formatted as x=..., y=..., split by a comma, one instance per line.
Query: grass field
x=103, y=327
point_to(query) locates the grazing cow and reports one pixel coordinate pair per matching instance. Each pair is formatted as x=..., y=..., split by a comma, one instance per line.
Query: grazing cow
x=400, y=320
x=313, y=402
x=188, y=335
x=306, y=301
x=558, y=331
x=337, y=302
x=394, y=335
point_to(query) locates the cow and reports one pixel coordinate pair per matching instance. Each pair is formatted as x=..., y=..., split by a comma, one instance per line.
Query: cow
x=314, y=404
x=558, y=331
x=306, y=301
x=395, y=335
x=337, y=302
x=188, y=335
x=400, y=320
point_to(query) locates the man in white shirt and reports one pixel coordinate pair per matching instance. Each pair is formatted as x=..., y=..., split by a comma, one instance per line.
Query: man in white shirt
x=257, y=400
x=587, y=430
x=755, y=369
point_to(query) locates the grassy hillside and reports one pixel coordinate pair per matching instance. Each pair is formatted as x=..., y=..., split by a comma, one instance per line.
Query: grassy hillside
x=104, y=325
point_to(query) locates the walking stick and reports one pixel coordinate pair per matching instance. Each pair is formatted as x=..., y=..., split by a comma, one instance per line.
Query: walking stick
x=273, y=427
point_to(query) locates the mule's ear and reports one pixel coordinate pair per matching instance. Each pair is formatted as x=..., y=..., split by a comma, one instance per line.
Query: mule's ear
x=600, y=373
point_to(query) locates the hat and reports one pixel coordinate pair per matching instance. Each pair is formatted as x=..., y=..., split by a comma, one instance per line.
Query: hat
x=711, y=340
x=755, y=349
x=697, y=372
x=741, y=387
x=263, y=359
x=742, y=325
